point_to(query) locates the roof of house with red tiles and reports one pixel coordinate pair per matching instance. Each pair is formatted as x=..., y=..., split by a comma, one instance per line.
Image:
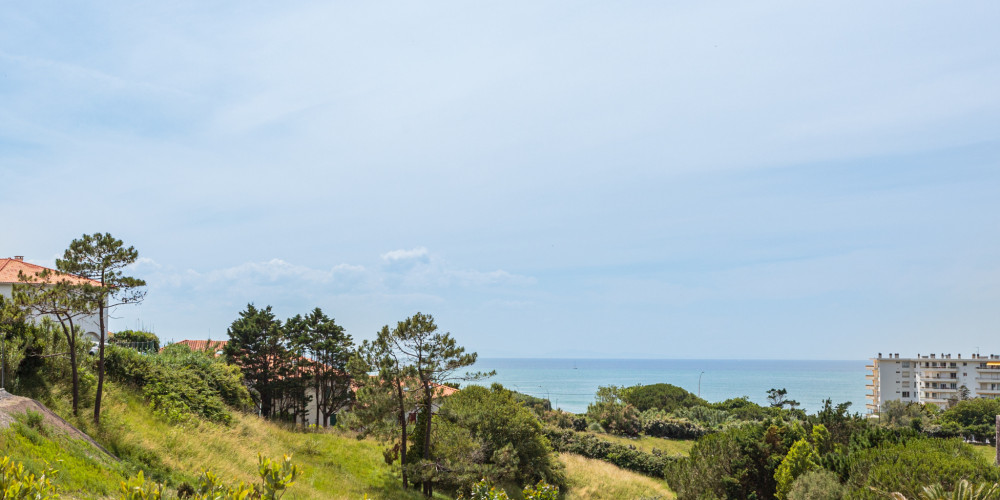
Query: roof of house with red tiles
x=10, y=268
x=202, y=345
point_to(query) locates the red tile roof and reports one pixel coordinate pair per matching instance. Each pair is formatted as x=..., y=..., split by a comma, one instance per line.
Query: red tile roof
x=202, y=345
x=9, y=269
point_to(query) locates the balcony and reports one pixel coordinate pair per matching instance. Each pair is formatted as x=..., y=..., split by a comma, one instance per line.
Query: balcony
x=936, y=401
x=938, y=369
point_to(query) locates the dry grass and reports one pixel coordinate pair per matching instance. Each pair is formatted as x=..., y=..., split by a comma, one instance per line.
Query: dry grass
x=647, y=443
x=591, y=479
x=335, y=465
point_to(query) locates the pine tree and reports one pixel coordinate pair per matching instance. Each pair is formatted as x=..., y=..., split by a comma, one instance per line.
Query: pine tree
x=103, y=259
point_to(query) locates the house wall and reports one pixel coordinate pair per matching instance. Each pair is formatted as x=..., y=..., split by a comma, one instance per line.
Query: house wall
x=90, y=325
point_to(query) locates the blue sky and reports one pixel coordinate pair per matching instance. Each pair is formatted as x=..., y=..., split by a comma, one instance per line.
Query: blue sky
x=593, y=179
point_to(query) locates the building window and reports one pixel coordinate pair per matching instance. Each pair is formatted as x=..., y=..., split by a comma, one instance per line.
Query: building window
x=906, y=364
x=953, y=365
x=906, y=394
x=906, y=374
x=906, y=383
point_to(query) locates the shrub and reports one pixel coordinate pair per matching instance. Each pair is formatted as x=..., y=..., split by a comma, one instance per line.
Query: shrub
x=744, y=409
x=179, y=383
x=818, y=484
x=800, y=459
x=35, y=420
x=16, y=482
x=136, y=339
x=659, y=424
x=975, y=418
x=905, y=467
x=615, y=418
x=488, y=433
x=664, y=397
x=704, y=416
x=591, y=446
x=738, y=462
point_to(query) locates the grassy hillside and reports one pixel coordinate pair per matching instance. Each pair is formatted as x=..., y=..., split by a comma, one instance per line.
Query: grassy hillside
x=596, y=480
x=335, y=465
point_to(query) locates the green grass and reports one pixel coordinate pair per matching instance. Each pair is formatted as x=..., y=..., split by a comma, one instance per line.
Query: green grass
x=987, y=451
x=335, y=465
x=647, y=443
x=81, y=468
x=591, y=479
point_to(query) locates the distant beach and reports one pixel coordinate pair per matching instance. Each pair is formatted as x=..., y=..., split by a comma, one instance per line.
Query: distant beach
x=571, y=383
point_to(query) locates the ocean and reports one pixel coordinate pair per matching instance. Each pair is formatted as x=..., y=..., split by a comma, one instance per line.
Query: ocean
x=571, y=383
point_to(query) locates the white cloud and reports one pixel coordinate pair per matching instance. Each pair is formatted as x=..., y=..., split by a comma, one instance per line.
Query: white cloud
x=415, y=253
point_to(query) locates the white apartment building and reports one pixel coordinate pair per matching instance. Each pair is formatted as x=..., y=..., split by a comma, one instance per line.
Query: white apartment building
x=931, y=378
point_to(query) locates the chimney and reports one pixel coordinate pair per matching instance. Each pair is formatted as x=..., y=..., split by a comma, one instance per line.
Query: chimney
x=19, y=257
x=879, y=355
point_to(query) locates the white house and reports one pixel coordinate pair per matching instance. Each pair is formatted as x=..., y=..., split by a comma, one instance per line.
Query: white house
x=10, y=268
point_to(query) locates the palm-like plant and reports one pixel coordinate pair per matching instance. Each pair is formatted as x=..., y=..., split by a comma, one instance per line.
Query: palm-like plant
x=963, y=491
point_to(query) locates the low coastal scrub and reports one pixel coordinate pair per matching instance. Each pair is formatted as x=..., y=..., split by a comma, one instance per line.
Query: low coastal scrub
x=624, y=456
x=181, y=383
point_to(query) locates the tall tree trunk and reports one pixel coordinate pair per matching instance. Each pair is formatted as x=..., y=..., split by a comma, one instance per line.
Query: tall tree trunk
x=71, y=342
x=428, y=401
x=100, y=365
x=402, y=423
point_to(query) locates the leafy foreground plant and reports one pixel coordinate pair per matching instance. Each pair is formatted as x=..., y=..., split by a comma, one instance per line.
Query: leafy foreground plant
x=17, y=483
x=275, y=479
x=276, y=476
x=484, y=490
x=963, y=491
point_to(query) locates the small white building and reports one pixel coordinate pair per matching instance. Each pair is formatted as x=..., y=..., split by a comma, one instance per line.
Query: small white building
x=10, y=268
x=931, y=378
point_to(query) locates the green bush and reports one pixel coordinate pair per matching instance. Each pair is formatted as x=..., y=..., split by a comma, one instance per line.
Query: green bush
x=658, y=423
x=707, y=417
x=615, y=418
x=180, y=383
x=664, y=397
x=591, y=446
x=818, y=484
x=18, y=483
x=906, y=467
x=738, y=462
x=975, y=418
x=484, y=432
x=136, y=339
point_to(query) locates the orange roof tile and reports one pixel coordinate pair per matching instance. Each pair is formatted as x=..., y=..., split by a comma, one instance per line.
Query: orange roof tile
x=202, y=345
x=9, y=269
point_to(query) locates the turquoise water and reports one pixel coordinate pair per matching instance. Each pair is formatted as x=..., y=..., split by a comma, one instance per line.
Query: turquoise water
x=571, y=383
